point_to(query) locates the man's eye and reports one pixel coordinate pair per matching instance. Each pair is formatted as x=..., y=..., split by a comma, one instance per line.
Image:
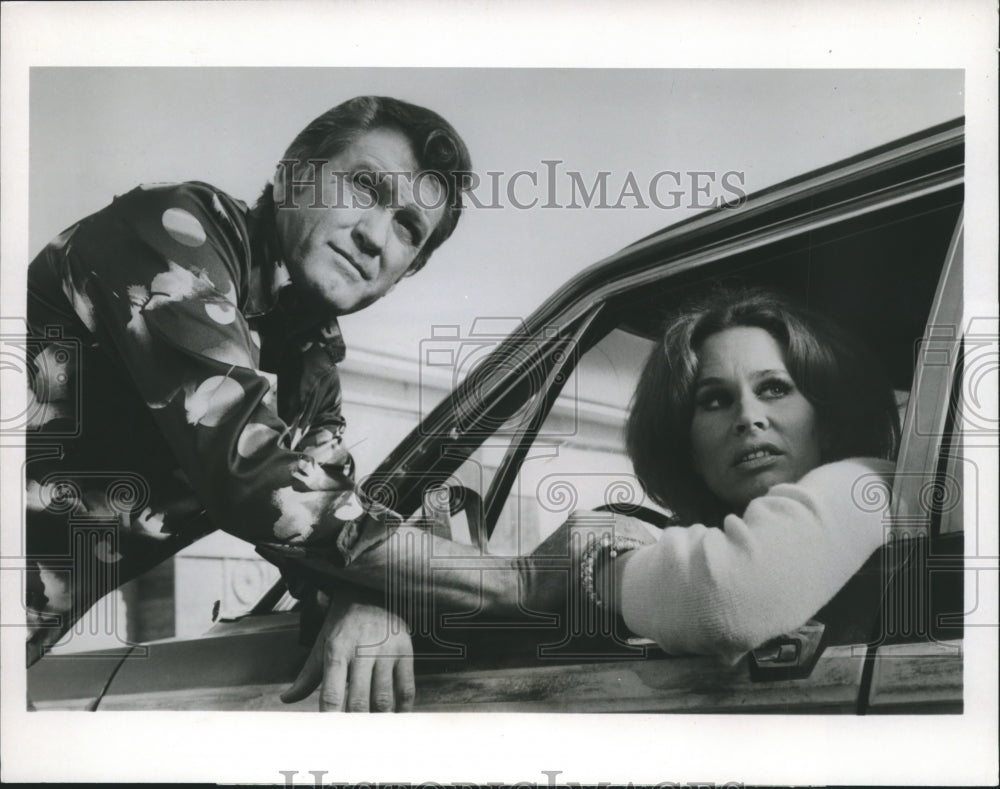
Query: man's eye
x=409, y=230
x=366, y=182
x=407, y=233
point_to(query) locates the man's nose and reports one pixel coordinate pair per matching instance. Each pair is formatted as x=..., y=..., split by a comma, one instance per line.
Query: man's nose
x=371, y=230
x=751, y=414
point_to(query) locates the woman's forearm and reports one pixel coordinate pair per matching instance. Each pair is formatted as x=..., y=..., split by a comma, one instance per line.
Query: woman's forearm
x=608, y=577
x=700, y=590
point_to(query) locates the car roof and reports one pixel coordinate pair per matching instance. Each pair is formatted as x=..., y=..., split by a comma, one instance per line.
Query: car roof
x=939, y=149
x=728, y=241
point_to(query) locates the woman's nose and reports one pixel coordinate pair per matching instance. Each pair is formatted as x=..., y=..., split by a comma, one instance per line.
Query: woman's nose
x=750, y=415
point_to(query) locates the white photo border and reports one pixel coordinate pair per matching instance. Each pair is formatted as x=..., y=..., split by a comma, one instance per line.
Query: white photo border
x=255, y=748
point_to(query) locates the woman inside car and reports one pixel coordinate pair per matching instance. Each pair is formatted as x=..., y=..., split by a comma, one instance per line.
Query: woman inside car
x=762, y=428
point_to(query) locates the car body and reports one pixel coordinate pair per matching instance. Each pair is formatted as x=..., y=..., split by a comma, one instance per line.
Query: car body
x=875, y=242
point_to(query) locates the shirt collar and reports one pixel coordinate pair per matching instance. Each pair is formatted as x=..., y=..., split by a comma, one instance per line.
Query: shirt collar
x=271, y=288
x=268, y=273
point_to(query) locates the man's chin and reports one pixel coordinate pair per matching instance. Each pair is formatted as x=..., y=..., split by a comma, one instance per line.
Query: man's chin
x=341, y=306
x=338, y=298
x=335, y=294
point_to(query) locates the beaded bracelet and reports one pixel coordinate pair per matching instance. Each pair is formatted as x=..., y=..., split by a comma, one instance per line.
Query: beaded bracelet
x=595, y=550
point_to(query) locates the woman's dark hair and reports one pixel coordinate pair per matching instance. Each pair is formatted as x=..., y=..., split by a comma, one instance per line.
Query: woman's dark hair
x=854, y=401
x=438, y=148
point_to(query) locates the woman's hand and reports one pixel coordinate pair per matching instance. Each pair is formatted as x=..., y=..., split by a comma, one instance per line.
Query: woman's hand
x=362, y=656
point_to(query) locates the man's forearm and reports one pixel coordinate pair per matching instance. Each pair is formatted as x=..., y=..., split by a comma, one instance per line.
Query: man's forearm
x=412, y=567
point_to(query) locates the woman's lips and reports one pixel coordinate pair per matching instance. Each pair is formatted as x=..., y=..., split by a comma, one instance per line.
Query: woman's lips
x=757, y=457
x=753, y=464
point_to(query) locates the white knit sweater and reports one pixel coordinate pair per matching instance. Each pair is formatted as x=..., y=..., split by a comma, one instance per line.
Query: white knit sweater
x=711, y=591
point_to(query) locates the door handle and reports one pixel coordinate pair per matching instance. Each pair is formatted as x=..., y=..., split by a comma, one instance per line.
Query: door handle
x=789, y=656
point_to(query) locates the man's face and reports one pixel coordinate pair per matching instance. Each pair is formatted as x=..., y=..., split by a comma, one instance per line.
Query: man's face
x=376, y=216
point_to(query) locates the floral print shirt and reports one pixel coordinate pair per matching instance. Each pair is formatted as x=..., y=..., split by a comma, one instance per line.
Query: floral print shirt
x=178, y=385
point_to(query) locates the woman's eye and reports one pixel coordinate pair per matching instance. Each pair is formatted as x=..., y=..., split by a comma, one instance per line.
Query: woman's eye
x=775, y=388
x=711, y=400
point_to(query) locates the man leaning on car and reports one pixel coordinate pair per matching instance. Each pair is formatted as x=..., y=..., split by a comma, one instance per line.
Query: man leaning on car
x=185, y=354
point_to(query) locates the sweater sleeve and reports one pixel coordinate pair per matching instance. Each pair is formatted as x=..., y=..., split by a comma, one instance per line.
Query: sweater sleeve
x=710, y=591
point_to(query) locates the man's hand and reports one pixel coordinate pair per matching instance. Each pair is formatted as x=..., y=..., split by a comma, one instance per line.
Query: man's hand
x=362, y=656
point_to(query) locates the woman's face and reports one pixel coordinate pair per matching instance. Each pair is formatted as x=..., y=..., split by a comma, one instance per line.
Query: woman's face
x=752, y=427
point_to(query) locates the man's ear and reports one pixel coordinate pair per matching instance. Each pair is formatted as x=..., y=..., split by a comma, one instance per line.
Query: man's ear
x=278, y=184
x=418, y=263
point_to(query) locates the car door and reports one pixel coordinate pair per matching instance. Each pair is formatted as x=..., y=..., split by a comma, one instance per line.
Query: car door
x=916, y=653
x=573, y=460
x=878, y=259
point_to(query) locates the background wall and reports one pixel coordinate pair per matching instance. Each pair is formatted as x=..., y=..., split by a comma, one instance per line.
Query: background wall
x=96, y=132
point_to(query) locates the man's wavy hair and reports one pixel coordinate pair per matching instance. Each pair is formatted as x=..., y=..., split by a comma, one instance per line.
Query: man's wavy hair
x=437, y=146
x=854, y=401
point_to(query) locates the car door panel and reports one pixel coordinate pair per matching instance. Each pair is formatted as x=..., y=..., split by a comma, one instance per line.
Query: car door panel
x=655, y=684
x=72, y=681
x=917, y=678
x=234, y=668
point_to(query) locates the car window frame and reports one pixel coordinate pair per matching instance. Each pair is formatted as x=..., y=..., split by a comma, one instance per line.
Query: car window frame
x=571, y=349
x=437, y=445
x=926, y=377
x=892, y=682
x=933, y=381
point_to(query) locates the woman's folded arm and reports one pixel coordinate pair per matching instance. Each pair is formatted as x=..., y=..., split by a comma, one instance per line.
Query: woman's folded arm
x=710, y=591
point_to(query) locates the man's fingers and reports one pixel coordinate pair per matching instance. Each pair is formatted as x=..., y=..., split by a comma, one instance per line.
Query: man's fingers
x=360, y=683
x=310, y=675
x=358, y=668
x=382, y=694
x=334, y=692
x=405, y=684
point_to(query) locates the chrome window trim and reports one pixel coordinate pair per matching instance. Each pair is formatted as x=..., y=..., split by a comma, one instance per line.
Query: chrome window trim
x=920, y=445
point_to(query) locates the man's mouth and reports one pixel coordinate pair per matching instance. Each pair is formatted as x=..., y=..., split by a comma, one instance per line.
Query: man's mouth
x=350, y=261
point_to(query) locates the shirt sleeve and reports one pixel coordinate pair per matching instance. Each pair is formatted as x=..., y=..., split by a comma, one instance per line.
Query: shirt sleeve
x=712, y=591
x=159, y=279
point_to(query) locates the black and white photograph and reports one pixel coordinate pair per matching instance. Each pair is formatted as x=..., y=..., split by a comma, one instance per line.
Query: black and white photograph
x=589, y=405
